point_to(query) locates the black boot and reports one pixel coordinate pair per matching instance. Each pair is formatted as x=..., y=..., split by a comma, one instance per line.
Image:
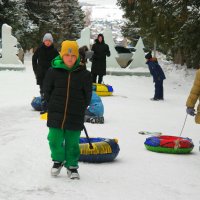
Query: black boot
x=57, y=166
x=73, y=173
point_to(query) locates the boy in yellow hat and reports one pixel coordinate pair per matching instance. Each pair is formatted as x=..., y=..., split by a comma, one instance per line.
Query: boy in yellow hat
x=67, y=90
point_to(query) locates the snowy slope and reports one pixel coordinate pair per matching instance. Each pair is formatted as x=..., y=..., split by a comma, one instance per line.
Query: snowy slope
x=137, y=174
x=103, y=9
x=99, y=2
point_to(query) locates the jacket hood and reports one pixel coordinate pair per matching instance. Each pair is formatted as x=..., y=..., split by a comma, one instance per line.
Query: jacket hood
x=58, y=63
x=153, y=59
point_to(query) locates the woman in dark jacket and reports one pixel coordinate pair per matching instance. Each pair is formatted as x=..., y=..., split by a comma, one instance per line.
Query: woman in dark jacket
x=158, y=76
x=67, y=90
x=101, y=50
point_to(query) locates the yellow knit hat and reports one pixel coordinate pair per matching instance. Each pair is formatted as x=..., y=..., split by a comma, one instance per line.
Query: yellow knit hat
x=69, y=47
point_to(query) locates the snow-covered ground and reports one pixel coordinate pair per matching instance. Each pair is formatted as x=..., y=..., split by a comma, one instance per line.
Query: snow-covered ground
x=99, y=2
x=136, y=174
x=103, y=9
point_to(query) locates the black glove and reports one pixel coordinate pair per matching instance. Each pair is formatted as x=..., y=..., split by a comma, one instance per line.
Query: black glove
x=190, y=111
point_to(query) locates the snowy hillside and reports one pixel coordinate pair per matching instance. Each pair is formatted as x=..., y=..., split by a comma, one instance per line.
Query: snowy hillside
x=104, y=9
x=104, y=14
x=136, y=174
x=99, y=2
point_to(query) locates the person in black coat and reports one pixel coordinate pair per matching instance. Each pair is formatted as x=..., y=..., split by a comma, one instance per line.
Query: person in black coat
x=41, y=61
x=101, y=50
x=158, y=76
x=67, y=91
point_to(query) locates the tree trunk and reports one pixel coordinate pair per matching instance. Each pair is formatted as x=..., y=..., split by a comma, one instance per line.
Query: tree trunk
x=178, y=58
x=131, y=1
x=154, y=48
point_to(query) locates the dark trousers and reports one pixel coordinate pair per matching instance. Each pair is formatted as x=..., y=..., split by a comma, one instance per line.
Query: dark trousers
x=94, y=78
x=41, y=90
x=158, y=90
x=43, y=102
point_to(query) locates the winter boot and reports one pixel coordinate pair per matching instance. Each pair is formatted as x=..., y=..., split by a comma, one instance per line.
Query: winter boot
x=73, y=173
x=57, y=166
x=94, y=120
x=154, y=99
x=42, y=112
x=101, y=120
x=97, y=120
x=87, y=118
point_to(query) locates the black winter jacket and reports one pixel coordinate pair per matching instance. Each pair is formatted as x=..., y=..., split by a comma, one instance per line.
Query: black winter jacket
x=101, y=50
x=67, y=94
x=41, y=61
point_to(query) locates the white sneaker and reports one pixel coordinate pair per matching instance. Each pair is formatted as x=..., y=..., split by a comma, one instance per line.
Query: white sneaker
x=73, y=174
x=55, y=170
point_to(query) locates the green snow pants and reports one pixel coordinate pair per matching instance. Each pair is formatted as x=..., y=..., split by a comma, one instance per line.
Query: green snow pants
x=64, y=146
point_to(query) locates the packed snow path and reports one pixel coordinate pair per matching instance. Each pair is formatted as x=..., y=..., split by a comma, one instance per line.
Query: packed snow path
x=137, y=174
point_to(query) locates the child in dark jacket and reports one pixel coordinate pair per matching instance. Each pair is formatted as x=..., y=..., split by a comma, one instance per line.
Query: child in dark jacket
x=41, y=61
x=158, y=76
x=67, y=90
x=95, y=110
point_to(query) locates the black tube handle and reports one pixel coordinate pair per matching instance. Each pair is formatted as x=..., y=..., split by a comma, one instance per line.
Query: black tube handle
x=90, y=144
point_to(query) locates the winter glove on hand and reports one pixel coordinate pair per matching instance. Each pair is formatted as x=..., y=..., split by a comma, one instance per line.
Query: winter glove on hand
x=190, y=111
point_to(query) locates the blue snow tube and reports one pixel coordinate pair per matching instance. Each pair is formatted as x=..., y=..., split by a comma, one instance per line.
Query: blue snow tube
x=110, y=88
x=36, y=103
x=104, y=150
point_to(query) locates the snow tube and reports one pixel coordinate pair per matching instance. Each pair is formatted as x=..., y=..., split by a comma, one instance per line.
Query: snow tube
x=102, y=89
x=36, y=103
x=104, y=150
x=169, y=144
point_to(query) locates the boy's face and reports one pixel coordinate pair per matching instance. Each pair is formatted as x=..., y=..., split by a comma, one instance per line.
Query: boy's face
x=69, y=60
x=47, y=43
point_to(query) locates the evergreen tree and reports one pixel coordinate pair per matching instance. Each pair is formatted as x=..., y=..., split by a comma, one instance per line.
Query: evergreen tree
x=39, y=13
x=25, y=29
x=6, y=12
x=15, y=15
x=31, y=19
x=140, y=15
x=172, y=24
x=69, y=19
x=189, y=36
x=63, y=18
